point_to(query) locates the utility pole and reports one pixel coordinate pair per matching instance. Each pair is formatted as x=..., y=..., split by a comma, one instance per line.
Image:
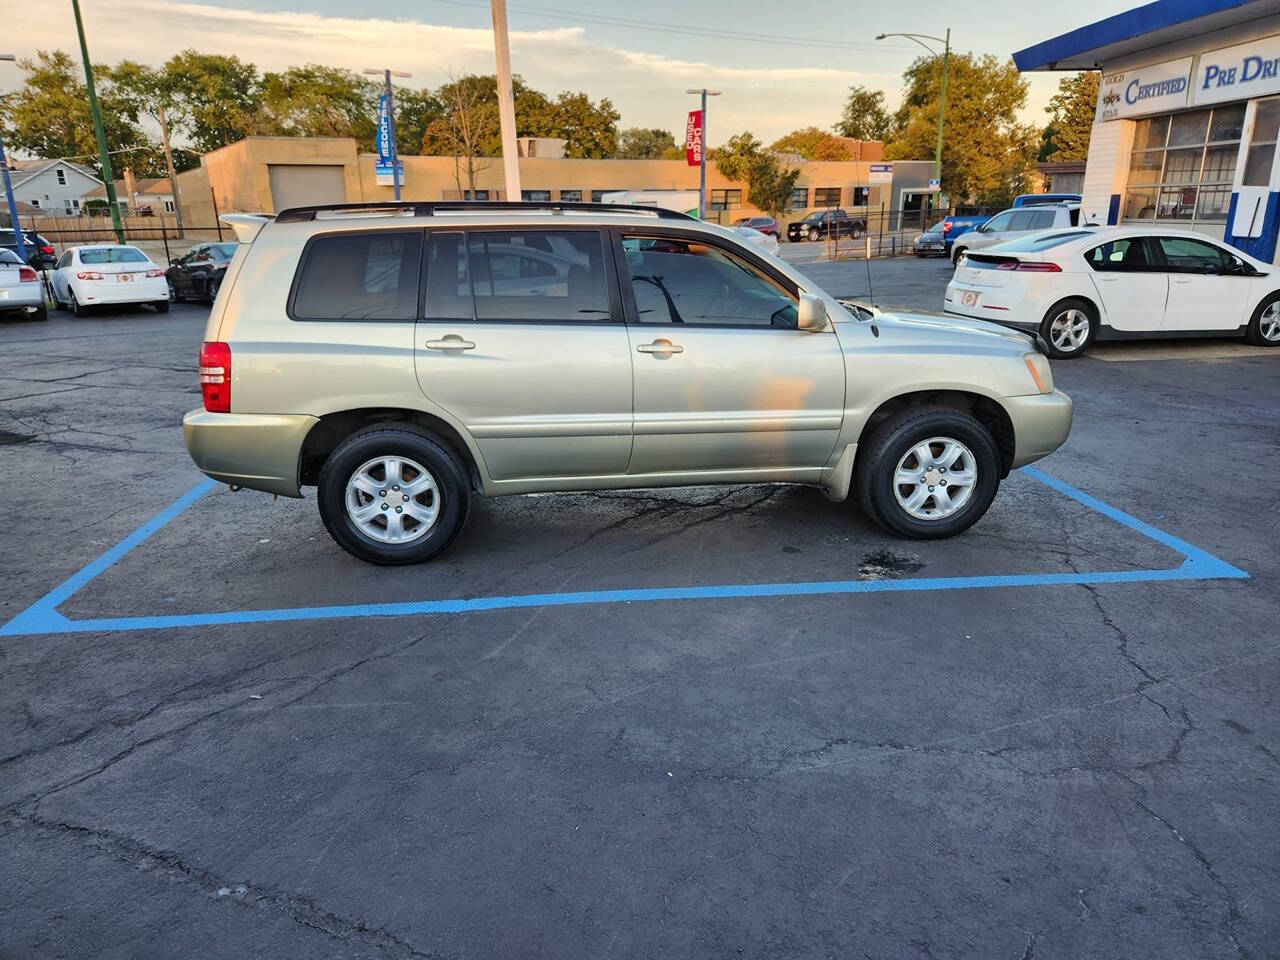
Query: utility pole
x=702, y=159
x=108, y=178
x=393, y=145
x=168, y=162
x=920, y=38
x=8, y=192
x=506, y=100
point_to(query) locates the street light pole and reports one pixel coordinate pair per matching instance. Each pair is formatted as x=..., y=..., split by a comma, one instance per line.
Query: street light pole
x=393, y=143
x=506, y=100
x=942, y=96
x=702, y=157
x=8, y=192
x=108, y=178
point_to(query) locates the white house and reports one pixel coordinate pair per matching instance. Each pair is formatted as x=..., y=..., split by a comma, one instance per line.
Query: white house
x=57, y=187
x=148, y=194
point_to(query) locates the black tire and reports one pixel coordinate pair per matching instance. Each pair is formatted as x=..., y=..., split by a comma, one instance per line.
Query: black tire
x=76, y=307
x=1253, y=333
x=891, y=441
x=813, y=234
x=957, y=254
x=173, y=295
x=858, y=232
x=214, y=284
x=394, y=440
x=1059, y=311
x=162, y=306
x=58, y=304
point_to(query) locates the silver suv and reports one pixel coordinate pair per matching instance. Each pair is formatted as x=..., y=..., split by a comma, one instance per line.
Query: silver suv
x=405, y=357
x=1016, y=222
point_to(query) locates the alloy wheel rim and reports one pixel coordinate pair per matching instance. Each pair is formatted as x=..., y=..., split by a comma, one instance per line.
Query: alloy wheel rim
x=935, y=478
x=1069, y=330
x=392, y=499
x=1269, y=322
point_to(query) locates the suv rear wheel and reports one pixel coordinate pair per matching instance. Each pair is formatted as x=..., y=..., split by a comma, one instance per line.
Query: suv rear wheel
x=928, y=472
x=393, y=495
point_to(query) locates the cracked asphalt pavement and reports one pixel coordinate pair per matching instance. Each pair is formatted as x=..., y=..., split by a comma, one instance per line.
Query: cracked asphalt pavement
x=1037, y=772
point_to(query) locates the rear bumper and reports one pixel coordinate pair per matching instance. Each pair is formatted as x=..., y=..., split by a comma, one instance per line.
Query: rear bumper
x=140, y=291
x=24, y=296
x=258, y=451
x=1041, y=424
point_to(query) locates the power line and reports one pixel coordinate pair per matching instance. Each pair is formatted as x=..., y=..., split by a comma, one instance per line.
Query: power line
x=630, y=24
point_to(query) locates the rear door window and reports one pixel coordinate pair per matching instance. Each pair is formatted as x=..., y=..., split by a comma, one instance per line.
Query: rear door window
x=1118, y=256
x=1042, y=220
x=360, y=276
x=552, y=276
x=1022, y=220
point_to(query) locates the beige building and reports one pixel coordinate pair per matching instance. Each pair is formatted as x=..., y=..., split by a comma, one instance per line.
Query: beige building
x=268, y=174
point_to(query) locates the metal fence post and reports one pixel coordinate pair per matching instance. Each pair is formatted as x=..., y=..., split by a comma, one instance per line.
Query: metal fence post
x=164, y=235
x=216, y=218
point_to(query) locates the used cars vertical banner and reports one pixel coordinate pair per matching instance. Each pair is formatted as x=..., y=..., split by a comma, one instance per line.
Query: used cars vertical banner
x=693, y=138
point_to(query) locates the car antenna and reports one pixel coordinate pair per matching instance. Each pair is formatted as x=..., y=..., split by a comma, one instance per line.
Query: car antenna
x=871, y=294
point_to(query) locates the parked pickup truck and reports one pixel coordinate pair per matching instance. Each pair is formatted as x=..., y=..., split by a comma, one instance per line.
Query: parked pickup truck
x=822, y=223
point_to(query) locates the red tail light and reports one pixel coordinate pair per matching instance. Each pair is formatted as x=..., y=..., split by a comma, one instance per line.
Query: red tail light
x=155, y=273
x=27, y=275
x=1026, y=266
x=215, y=376
x=89, y=275
x=946, y=226
x=47, y=249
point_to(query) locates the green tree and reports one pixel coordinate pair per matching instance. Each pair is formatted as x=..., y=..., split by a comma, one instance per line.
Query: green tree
x=48, y=116
x=770, y=182
x=986, y=153
x=151, y=94
x=220, y=97
x=812, y=144
x=864, y=116
x=639, y=143
x=319, y=101
x=467, y=128
x=1071, y=111
x=416, y=110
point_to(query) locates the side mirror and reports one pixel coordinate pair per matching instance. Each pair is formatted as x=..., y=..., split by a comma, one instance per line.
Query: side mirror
x=811, y=313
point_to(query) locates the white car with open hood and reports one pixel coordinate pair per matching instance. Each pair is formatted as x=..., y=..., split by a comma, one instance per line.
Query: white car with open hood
x=102, y=274
x=1075, y=286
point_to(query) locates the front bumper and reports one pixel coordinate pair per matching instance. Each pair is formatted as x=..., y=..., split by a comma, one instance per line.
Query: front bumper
x=255, y=450
x=1041, y=423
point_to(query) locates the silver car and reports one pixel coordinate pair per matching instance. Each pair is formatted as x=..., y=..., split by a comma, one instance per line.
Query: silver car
x=1014, y=223
x=404, y=358
x=21, y=289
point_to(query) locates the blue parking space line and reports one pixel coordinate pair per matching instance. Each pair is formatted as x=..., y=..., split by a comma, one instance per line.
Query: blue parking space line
x=43, y=617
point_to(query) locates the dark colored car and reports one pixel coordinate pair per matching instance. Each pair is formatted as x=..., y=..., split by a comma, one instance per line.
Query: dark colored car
x=39, y=250
x=823, y=223
x=763, y=224
x=197, y=274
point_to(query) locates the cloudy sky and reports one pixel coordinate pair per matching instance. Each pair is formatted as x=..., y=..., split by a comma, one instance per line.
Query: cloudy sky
x=779, y=65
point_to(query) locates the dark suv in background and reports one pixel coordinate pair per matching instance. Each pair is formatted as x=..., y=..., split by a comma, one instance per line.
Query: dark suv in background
x=39, y=250
x=823, y=223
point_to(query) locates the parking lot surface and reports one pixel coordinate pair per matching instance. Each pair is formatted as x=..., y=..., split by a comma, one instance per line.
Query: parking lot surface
x=1058, y=765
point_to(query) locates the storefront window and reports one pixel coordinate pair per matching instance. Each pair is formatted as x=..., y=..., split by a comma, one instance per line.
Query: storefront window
x=1182, y=165
x=1262, y=145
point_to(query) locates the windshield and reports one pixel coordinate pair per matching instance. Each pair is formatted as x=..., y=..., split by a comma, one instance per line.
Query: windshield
x=937, y=227
x=816, y=215
x=224, y=251
x=8, y=256
x=113, y=255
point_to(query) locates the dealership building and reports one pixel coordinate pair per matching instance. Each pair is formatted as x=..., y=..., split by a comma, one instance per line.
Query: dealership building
x=1188, y=117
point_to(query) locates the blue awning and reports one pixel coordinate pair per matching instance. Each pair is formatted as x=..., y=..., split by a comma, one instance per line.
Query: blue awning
x=1150, y=25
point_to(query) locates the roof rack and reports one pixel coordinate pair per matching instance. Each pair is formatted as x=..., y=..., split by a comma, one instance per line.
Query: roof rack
x=428, y=208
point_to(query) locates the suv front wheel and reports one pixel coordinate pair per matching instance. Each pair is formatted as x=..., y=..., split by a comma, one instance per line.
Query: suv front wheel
x=927, y=472
x=393, y=495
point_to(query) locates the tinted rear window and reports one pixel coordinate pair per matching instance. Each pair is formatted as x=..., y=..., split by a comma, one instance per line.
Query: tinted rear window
x=113, y=255
x=8, y=256
x=360, y=276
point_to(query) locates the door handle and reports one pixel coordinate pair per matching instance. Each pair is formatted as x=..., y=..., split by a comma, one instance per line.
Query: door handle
x=660, y=346
x=450, y=342
x=1179, y=279
x=1108, y=279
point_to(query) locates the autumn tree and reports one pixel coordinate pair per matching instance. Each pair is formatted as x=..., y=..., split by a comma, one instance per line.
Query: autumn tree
x=987, y=154
x=864, y=116
x=639, y=143
x=319, y=101
x=1071, y=112
x=770, y=181
x=812, y=144
x=466, y=129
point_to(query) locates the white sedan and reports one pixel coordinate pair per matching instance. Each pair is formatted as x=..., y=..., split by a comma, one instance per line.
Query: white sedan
x=765, y=241
x=1074, y=286
x=91, y=276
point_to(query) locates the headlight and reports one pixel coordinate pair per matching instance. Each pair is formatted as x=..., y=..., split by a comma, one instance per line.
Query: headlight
x=1041, y=374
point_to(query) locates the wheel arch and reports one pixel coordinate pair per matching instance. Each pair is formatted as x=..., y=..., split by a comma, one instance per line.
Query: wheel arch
x=981, y=407
x=332, y=428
